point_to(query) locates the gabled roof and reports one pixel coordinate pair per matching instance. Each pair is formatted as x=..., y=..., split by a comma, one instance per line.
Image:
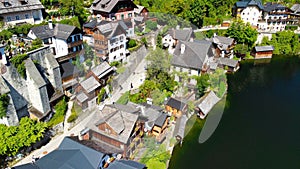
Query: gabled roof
x=180, y=126
x=42, y=32
x=17, y=6
x=246, y=3
x=161, y=120
x=270, y=6
x=126, y=164
x=121, y=121
x=263, y=48
x=172, y=102
x=90, y=84
x=102, y=70
x=111, y=29
x=33, y=73
x=181, y=34
x=81, y=97
x=296, y=8
x=222, y=40
x=61, y=31
x=68, y=69
x=107, y=5
x=94, y=23
x=69, y=155
x=228, y=62
x=138, y=9
x=207, y=102
x=194, y=54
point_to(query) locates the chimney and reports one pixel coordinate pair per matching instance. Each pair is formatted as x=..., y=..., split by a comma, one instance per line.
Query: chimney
x=182, y=48
x=50, y=24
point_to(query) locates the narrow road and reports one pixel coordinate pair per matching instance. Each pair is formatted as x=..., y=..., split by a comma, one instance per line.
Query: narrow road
x=136, y=79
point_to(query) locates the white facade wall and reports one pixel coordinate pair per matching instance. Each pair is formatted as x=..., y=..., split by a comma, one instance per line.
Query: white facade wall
x=251, y=15
x=117, y=48
x=61, y=47
x=31, y=17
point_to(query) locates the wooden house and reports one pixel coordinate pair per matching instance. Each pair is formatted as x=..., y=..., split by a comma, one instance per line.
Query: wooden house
x=115, y=129
x=101, y=72
x=160, y=126
x=207, y=103
x=230, y=65
x=262, y=52
x=180, y=128
x=87, y=90
x=69, y=75
x=175, y=107
x=224, y=46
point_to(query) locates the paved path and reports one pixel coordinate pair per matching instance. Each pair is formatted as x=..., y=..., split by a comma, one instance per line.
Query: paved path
x=136, y=79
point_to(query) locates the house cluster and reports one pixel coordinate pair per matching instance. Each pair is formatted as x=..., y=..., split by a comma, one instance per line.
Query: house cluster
x=197, y=56
x=269, y=17
x=79, y=154
x=50, y=72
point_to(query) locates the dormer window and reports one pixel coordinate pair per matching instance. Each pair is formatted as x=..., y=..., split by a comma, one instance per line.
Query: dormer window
x=24, y=2
x=6, y=3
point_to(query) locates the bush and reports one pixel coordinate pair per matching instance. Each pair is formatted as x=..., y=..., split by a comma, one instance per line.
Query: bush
x=58, y=117
x=131, y=43
x=115, y=63
x=72, y=117
x=18, y=62
x=4, y=101
x=151, y=25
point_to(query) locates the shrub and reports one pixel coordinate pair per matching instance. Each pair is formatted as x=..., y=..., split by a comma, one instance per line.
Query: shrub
x=151, y=25
x=115, y=63
x=72, y=117
x=131, y=43
x=18, y=62
x=58, y=117
x=4, y=101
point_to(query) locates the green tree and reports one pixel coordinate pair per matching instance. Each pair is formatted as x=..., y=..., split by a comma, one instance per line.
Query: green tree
x=4, y=101
x=101, y=95
x=89, y=63
x=14, y=138
x=202, y=85
x=151, y=25
x=197, y=12
x=131, y=43
x=242, y=33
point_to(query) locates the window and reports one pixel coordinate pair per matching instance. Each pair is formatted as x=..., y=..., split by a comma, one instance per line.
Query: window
x=8, y=18
x=130, y=15
x=69, y=40
x=26, y=16
x=122, y=16
x=17, y=17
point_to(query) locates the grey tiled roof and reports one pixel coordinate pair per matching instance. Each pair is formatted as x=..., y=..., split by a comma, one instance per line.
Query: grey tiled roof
x=102, y=69
x=16, y=6
x=81, y=97
x=61, y=31
x=125, y=120
x=208, y=101
x=296, y=8
x=106, y=5
x=126, y=164
x=111, y=29
x=194, y=54
x=273, y=6
x=180, y=126
x=161, y=120
x=68, y=69
x=181, y=34
x=172, y=102
x=90, y=84
x=228, y=62
x=263, y=48
x=33, y=73
x=245, y=3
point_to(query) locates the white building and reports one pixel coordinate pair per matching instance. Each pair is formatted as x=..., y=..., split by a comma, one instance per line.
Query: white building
x=191, y=58
x=14, y=12
x=65, y=41
x=110, y=41
x=171, y=39
x=249, y=11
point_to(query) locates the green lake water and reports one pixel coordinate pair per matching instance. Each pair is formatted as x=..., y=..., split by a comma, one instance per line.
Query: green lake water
x=260, y=126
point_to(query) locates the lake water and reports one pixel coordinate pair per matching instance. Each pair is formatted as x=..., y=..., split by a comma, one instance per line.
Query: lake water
x=260, y=126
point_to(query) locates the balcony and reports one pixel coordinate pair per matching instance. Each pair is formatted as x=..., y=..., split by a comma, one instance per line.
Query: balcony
x=73, y=44
x=70, y=55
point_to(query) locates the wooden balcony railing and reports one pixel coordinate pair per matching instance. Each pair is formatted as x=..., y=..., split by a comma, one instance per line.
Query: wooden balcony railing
x=73, y=44
x=70, y=55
